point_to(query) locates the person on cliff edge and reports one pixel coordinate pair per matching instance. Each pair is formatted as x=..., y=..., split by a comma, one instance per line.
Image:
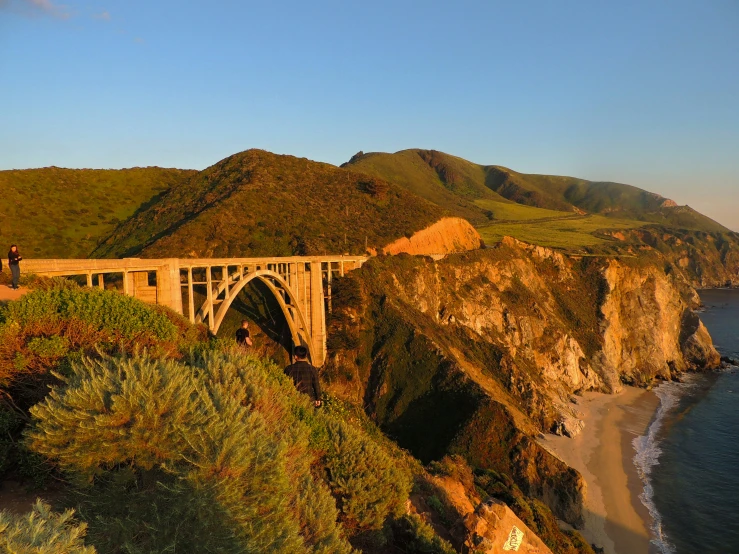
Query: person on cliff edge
x=305, y=376
x=14, y=258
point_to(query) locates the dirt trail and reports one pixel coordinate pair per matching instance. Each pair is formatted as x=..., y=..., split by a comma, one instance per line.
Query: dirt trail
x=7, y=293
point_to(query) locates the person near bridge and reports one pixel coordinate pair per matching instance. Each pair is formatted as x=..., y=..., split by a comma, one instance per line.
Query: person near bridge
x=304, y=375
x=243, y=337
x=14, y=258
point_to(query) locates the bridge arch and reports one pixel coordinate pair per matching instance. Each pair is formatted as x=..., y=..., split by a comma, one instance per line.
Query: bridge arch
x=300, y=284
x=296, y=320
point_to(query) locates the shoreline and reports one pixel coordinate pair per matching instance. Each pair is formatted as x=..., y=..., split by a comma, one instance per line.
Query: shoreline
x=603, y=453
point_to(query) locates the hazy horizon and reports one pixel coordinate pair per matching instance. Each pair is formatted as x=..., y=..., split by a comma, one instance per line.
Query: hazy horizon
x=638, y=93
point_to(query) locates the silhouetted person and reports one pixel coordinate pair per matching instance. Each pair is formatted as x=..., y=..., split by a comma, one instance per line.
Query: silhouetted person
x=14, y=258
x=243, y=337
x=304, y=375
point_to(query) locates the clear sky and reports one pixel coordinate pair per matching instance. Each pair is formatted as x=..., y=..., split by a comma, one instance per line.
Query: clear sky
x=644, y=92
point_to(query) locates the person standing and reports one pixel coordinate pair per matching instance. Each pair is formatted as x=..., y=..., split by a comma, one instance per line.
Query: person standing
x=243, y=337
x=304, y=375
x=14, y=258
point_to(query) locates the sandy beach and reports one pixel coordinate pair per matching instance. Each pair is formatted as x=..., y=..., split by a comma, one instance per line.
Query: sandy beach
x=615, y=519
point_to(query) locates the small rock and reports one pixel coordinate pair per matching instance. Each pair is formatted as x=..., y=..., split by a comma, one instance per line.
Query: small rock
x=568, y=426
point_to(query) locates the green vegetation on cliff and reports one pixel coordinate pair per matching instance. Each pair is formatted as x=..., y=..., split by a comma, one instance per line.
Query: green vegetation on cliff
x=64, y=213
x=189, y=444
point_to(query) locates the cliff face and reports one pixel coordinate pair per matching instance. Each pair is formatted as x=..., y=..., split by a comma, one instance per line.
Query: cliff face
x=706, y=260
x=475, y=353
x=448, y=235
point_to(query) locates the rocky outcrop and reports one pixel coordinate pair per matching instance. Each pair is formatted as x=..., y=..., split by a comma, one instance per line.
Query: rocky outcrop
x=649, y=329
x=494, y=529
x=448, y=235
x=705, y=260
x=482, y=512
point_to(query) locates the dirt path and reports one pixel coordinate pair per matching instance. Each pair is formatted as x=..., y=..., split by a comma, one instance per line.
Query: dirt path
x=7, y=293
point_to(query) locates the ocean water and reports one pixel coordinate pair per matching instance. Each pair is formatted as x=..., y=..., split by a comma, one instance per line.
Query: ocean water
x=689, y=458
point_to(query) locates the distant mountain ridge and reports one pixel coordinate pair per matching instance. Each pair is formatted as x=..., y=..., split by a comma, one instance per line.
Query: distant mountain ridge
x=466, y=186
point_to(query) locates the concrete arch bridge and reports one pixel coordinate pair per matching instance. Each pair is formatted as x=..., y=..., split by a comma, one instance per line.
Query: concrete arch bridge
x=300, y=284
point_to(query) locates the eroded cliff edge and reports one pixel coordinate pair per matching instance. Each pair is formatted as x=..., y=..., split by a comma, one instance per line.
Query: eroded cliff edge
x=478, y=352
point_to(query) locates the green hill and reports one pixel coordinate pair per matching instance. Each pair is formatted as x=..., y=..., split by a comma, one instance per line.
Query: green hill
x=550, y=210
x=609, y=199
x=55, y=212
x=259, y=203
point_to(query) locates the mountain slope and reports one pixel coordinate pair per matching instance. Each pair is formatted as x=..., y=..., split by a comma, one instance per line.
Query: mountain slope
x=259, y=203
x=56, y=212
x=479, y=191
x=451, y=182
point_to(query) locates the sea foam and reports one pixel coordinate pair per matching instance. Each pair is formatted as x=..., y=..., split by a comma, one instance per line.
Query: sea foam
x=648, y=452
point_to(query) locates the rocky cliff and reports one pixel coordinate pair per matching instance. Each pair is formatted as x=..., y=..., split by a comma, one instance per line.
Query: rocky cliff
x=476, y=353
x=705, y=259
x=448, y=235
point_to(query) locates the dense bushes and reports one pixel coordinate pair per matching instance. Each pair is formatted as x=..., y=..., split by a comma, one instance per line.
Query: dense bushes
x=46, y=329
x=162, y=447
x=42, y=532
x=221, y=452
x=417, y=537
x=366, y=481
x=179, y=455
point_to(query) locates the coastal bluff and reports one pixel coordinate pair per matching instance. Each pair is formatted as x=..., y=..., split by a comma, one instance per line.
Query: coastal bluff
x=493, y=346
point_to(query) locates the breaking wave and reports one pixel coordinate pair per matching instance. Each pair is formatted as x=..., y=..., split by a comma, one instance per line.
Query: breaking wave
x=648, y=452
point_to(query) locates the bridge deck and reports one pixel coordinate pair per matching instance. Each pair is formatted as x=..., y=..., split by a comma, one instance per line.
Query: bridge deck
x=70, y=267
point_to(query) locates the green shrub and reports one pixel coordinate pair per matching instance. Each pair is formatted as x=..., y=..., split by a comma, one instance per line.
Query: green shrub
x=47, y=329
x=42, y=532
x=368, y=483
x=126, y=317
x=414, y=536
x=167, y=455
x=48, y=347
x=15, y=457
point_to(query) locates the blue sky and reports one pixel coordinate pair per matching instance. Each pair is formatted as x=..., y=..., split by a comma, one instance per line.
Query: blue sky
x=644, y=92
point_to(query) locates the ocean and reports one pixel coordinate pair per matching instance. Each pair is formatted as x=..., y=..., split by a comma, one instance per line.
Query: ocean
x=689, y=458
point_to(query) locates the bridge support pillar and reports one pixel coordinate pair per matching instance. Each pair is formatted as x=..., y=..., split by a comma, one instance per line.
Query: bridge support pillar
x=317, y=314
x=169, y=291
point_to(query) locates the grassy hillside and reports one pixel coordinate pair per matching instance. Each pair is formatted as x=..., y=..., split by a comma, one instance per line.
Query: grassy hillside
x=55, y=212
x=610, y=199
x=563, y=212
x=572, y=232
x=451, y=182
x=258, y=203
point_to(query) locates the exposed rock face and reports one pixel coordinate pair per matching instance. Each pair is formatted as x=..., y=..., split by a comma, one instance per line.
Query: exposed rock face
x=649, y=329
x=448, y=235
x=704, y=259
x=494, y=529
x=475, y=353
